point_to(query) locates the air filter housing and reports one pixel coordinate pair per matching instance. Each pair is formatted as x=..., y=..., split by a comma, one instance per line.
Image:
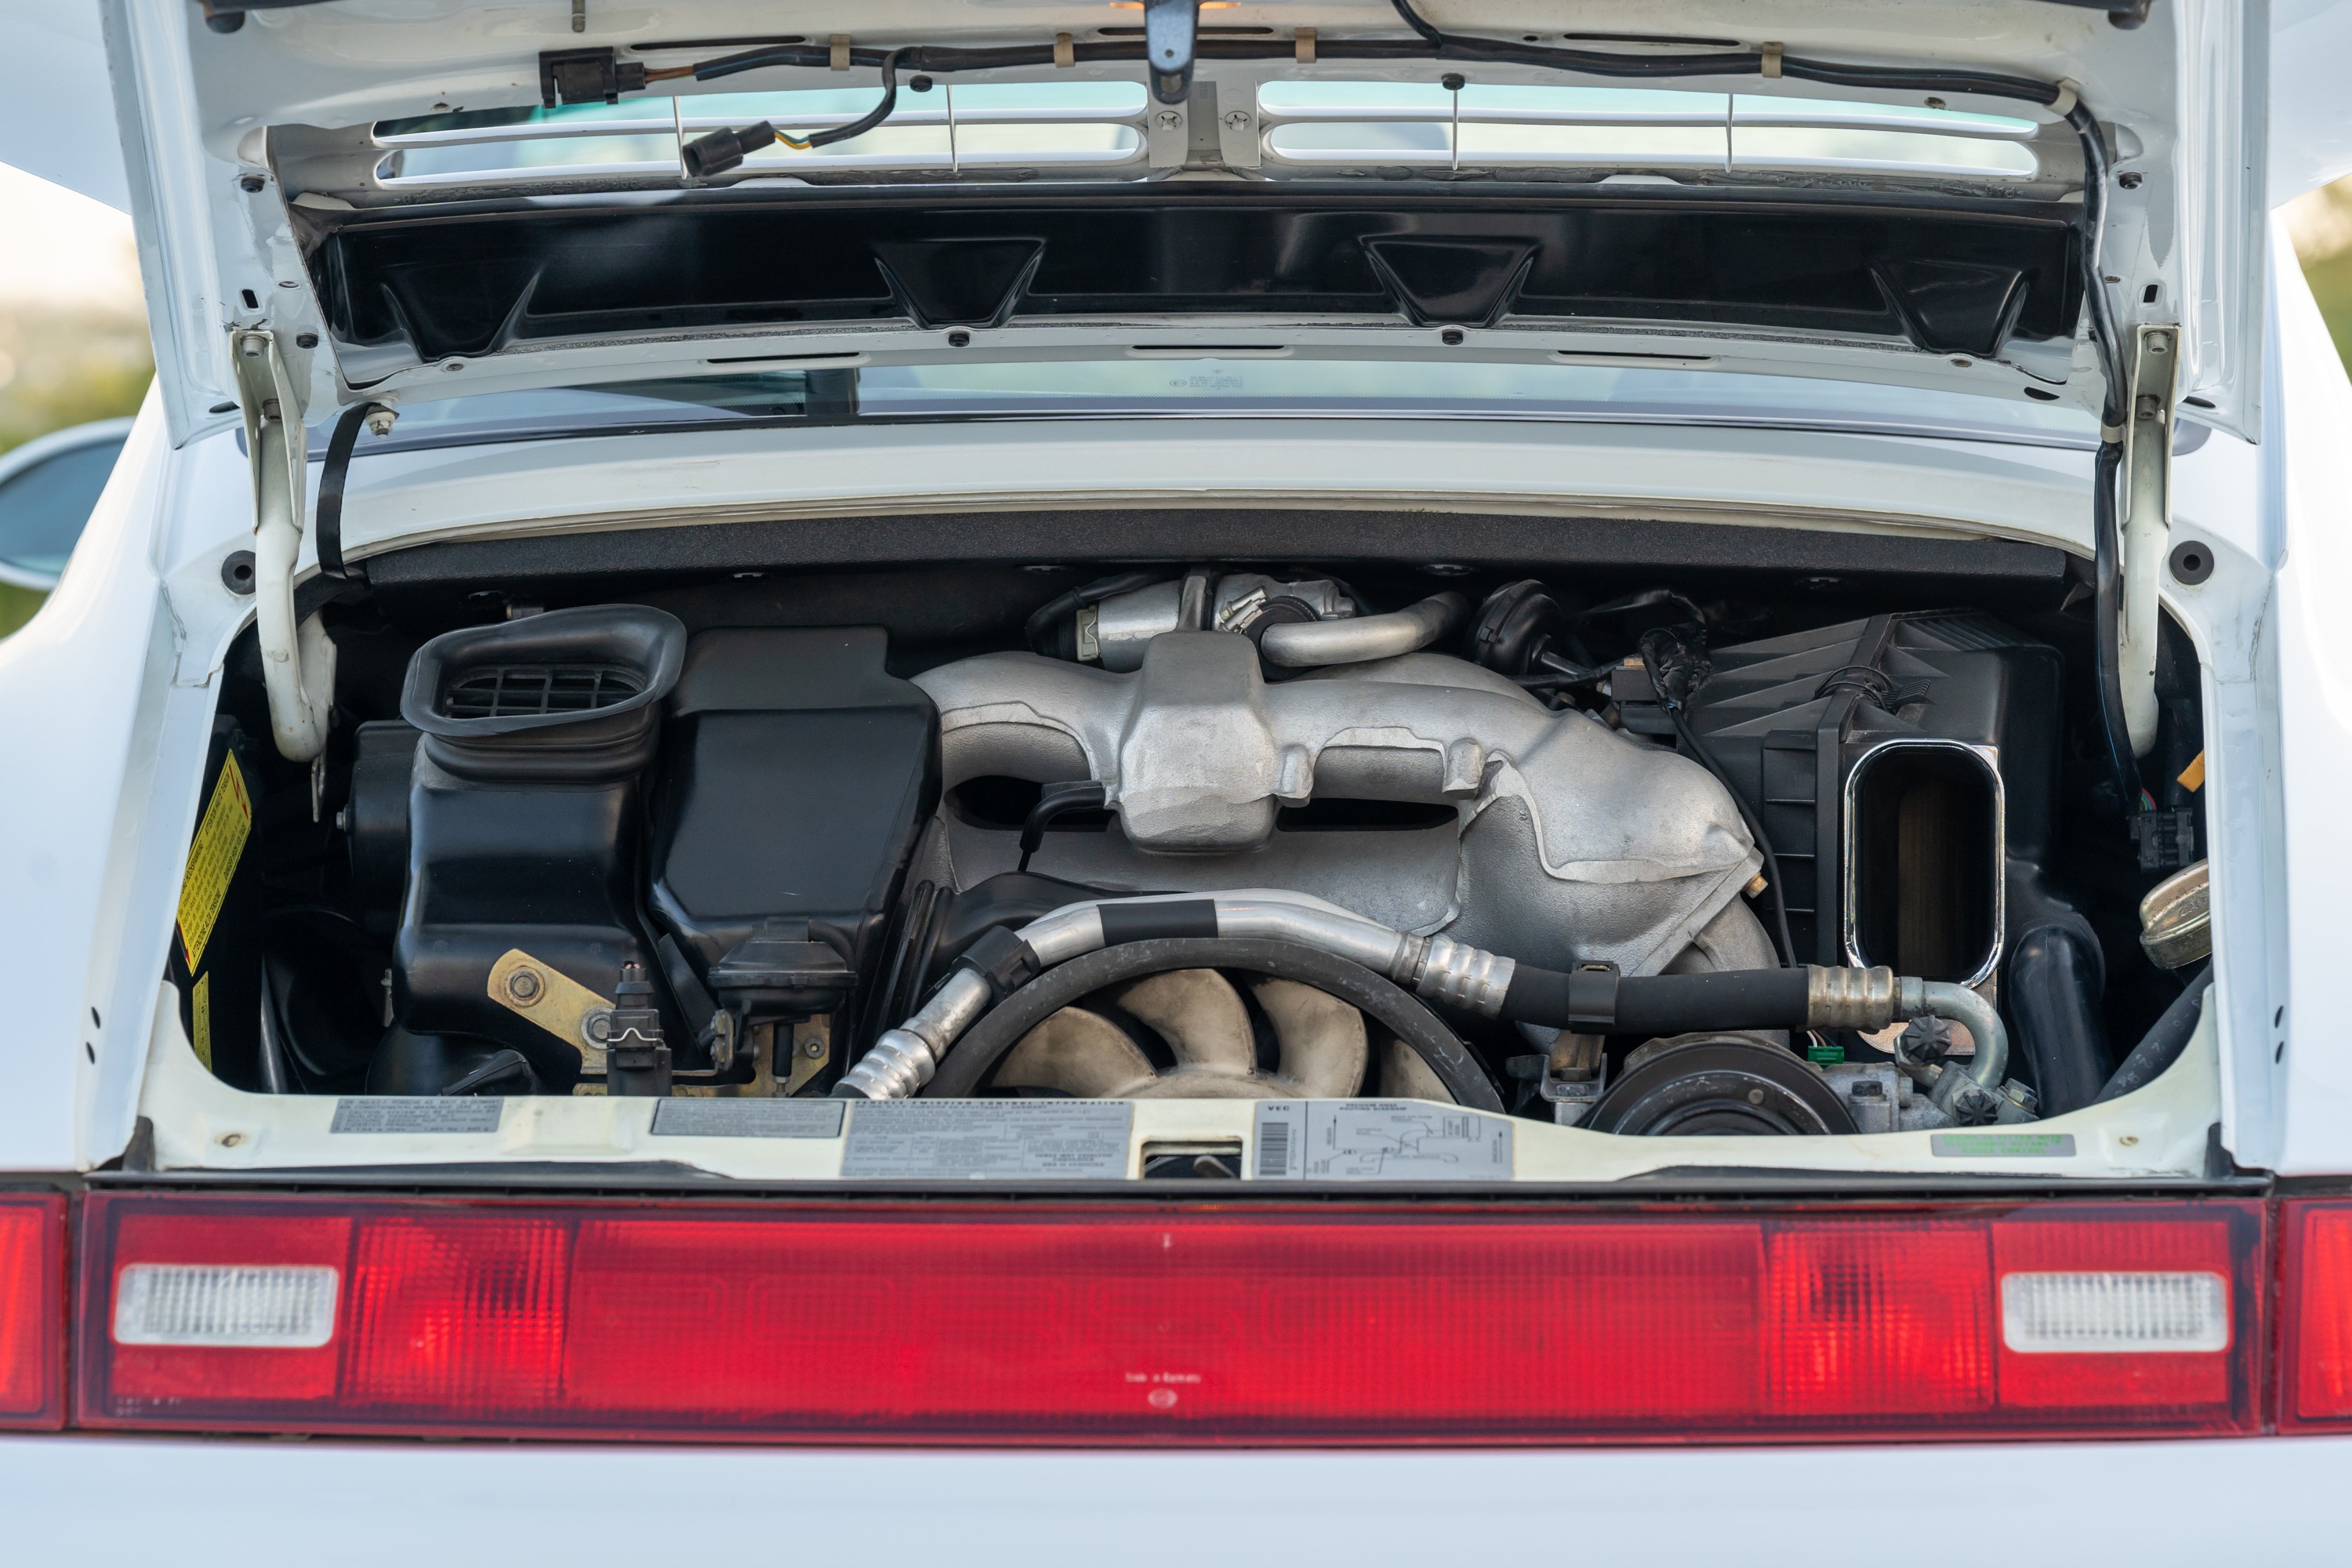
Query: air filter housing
x=523, y=821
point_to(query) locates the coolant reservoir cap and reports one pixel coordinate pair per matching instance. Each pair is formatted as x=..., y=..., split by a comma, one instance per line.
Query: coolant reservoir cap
x=2176, y=926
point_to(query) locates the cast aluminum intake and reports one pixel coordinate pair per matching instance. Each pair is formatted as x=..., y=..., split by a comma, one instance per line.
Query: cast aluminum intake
x=1569, y=840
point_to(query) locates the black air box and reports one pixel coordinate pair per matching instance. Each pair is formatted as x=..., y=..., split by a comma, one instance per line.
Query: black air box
x=1906, y=768
x=796, y=776
x=524, y=812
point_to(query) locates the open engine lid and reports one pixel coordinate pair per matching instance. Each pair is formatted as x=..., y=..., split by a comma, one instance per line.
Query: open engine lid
x=422, y=199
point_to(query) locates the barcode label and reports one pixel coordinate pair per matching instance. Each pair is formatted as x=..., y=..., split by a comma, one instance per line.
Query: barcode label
x=1273, y=1150
x=1379, y=1140
x=1280, y=1127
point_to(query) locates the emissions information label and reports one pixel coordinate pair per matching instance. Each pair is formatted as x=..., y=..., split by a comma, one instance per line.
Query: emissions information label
x=2002, y=1145
x=211, y=860
x=385, y=1113
x=977, y=1139
x=747, y=1118
x=1378, y=1140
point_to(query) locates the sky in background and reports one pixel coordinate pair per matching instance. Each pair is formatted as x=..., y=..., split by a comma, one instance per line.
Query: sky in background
x=64, y=249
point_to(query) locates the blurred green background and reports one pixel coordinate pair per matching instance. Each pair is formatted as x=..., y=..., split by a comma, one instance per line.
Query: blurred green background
x=78, y=351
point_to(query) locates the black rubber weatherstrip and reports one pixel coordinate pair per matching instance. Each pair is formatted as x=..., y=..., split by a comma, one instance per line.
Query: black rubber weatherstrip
x=971, y=1058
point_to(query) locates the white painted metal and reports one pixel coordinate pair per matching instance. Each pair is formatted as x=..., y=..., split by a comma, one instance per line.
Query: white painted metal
x=392, y=1505
x=2307, y=489
x=2177, y=91
x=56, y=119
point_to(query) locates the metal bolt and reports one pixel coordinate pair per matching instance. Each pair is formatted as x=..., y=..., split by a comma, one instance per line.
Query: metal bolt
x=1755, y=1097
x=597, y=1026
x=525, y=986
x=250, y=185
x=1170, y=120
x=1237, y=119
x=379, y=423
x=306, y=340
x=813, y=1050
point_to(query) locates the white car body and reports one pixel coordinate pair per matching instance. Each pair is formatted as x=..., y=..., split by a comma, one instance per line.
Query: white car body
x=110, y=695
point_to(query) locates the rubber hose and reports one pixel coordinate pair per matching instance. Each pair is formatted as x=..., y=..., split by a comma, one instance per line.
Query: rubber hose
x=971, y=1060
x=1670, y=1004
x=2055, y=980
x=2164, y=1042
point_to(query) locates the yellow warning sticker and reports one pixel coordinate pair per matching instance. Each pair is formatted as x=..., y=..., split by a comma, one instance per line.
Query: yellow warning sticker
x=200, y=1019
x=212, y=860
x=2193, y=777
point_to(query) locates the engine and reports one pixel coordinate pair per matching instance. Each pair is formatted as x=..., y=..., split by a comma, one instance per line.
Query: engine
x=1239, y=834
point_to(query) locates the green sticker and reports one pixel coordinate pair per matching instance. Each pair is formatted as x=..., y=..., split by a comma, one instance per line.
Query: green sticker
x=2002, y=1145
x=1833, y=1055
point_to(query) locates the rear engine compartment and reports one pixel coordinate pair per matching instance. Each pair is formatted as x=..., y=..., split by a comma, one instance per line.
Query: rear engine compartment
x=1634, y=851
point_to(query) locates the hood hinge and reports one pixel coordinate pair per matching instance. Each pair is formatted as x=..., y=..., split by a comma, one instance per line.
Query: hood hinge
x=2147, y=513
x=297, y=664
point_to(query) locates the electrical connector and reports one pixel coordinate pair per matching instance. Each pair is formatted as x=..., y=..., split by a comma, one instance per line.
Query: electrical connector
x=724, y=150
x=587, y=76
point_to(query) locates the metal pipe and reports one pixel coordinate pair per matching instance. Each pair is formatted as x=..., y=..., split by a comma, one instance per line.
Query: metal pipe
x=1944, y=999
x=904, y=1058
x=1360, y=638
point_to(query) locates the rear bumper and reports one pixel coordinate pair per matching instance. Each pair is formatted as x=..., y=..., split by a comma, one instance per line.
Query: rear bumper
x=144, y=1501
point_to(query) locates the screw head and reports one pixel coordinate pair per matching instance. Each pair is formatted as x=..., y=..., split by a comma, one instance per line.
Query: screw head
x=1236, y=119
x=1168, y=120
x=231, y=1140
x=251, y=185
x=525, y=986
x=813, y=1050
x=379, y=423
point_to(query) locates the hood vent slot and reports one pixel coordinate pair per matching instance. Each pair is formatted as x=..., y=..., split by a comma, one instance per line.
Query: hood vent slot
x=513, y=691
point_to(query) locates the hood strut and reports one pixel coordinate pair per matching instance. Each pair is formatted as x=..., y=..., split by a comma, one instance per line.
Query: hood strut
x=298, y=666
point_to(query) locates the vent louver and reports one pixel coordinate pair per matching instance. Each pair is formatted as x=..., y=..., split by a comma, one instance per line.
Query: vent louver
x=501, y=691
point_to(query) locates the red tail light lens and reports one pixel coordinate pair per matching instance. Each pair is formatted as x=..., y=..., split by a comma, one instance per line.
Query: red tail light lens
x=1164, y=1324
x=2315, y=1342
x=32, y=1309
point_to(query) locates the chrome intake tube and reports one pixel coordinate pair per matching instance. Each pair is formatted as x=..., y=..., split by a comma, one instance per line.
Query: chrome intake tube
x=1360, y=639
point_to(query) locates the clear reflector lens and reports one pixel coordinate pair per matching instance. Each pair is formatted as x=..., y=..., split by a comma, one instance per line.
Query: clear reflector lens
x=207, y=1304
x=2113, y=1312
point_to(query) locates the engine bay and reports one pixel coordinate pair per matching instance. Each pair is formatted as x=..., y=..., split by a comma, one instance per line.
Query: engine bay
x=1720, y=854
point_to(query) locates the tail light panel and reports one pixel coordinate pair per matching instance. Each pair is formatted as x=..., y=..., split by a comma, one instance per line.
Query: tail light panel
x=2315, y=1308
x=32, y=1310
x=1165, y=1323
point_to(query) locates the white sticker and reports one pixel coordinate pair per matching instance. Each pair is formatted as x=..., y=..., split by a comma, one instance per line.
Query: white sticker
x=747, y=1118
x=386, y=1113
x=1378, y=1140
x=977, y=1139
